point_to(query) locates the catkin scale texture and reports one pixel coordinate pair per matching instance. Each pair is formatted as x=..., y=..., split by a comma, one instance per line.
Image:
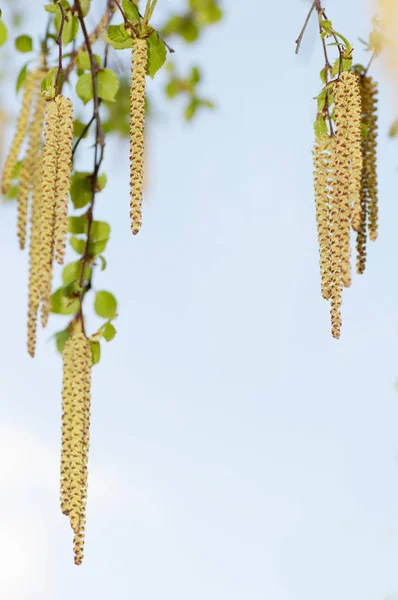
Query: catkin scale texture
x=34, y=260
x=137, y=125
x=75, y=436
x=336, y=286
x=322, y=187
x=47, y=223
x=29, y=163
x=63, y=174
x=20, y=132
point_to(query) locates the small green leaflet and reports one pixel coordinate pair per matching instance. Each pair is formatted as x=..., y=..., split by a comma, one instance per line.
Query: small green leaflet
x=156, y=54
x=131, y=11
x=118, y=38
x=105, y=305
x=24, y=43
x=108, y=85
x=320, y=127
x=3, y=33
x=62, y=305
x=21, y=77
x=108, y=331
x=95, y=352
x=84, y=87
x=48, y=84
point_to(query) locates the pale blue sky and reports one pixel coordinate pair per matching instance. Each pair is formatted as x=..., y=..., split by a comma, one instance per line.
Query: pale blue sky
x=238, y=451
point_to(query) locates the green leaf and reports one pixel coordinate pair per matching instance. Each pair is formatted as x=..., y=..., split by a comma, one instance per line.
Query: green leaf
x=63, y=306
x=71, y=27
x=108, y=85
x=101, y=182
x=103, y=263
x=156, y=54
x=3, y=33
x=96, y=248
x=78, y=224
x=190, y=31
x=80, y=189
x=48, y=84
x=95, y=352
x=131, y=11
x=77, y=244
x=118, y=38
x=78, y=128
x=108, y=332
x=393, y=129
x=21, y=77
x=85, y=5
x=100, y=230
x=320, y=127
x=84, y=87
x=24, y=43
x=83, y=60
x=346, y=65
x=61, y=337
x=73, y=271
x=105, y=305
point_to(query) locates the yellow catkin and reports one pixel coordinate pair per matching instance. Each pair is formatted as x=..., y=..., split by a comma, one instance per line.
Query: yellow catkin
x=348, y=163
x=369, y=98
x=29, y=163
x=48, y=207
x=67, y=401
x=362, y=232
x=63, y=173
x=20, y=132
x=322, y=188
x=336, y=285
x=34, y=259
x=86, y=363
x=137, y=124
x=81, y=375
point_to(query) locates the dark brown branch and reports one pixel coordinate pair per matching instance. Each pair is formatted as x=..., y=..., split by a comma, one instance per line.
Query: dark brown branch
x=302, y=32
x=98, y=151
x=64, y=19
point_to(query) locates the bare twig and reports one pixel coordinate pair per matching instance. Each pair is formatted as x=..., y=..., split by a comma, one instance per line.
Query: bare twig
x=64, y=19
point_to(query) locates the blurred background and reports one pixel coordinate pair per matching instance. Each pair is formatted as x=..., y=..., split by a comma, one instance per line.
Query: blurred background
x=237, y=450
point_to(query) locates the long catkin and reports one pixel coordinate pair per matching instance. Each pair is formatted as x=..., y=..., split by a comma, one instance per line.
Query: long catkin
x=48, y=207
x=369, y=94
x=34, y=259
x=63, y=174
x=137, y=125
x=348, y=163
x=29, y=163
x=336, y=254
x=322, y=187
x=67, y=407
x=20, y=132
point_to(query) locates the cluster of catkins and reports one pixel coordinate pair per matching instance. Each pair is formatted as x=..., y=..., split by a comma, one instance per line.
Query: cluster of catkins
x=43, y=191
x=345, y=185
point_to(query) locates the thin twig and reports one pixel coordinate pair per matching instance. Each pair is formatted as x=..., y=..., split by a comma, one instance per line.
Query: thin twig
x=64, y=19
x=302, y=32
x=98, y=152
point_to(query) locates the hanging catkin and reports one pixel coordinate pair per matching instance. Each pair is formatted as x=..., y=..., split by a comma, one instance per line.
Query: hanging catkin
x=369, y=95
x=322, y=188
x=348, y=163
x=29, y=164
x=20, y=132
x=48, y=207
x=336, y=285
x=34, y=259
x=63, y=174
x=67, y=387
x=137, y=123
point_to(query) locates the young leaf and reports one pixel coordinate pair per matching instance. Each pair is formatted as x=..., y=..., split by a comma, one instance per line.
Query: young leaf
x=131, y=11
x=108, y=331
x=63, y=306
x=77, y=244
x=3, y=33
x=61, y=337
x=156, y=54
x=78, y=224
x=24, y=43
x=95, y=352
x=48, y=84
x=105, y=305
x=80, y=189
x=118, y=38
x=84, y=87
x=21, y=77
x=108, y=85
